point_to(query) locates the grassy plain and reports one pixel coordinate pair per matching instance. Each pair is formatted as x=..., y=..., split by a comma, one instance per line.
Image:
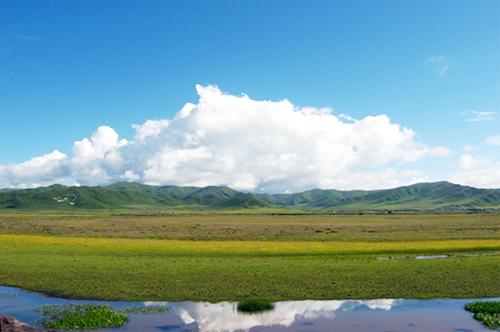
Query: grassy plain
x=294, y=227
x=236, y=257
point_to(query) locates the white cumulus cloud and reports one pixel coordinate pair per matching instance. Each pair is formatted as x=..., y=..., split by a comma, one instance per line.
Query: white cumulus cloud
x=481, y=177
x=468, y=162
x=42, y=170
x=247, y=144
x=96, y=160
x=477, y=172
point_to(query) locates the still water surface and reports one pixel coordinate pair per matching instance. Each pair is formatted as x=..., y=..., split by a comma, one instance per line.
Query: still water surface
x=385, y=315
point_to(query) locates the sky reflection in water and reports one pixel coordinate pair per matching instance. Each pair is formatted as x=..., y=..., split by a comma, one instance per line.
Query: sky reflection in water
x=351, y=315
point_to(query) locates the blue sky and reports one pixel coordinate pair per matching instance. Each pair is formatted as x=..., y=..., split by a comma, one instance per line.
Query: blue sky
x=68, y=67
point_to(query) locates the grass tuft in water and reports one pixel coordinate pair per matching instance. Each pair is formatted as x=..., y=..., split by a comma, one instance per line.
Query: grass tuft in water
x=80, y=316
x=250, y=306
x=488, y=313
x=146, y=310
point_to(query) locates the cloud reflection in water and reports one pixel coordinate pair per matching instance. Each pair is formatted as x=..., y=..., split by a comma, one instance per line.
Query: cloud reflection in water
x=224, y=317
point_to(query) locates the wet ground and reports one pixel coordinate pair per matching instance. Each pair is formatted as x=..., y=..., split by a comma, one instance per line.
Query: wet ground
x=384, y=315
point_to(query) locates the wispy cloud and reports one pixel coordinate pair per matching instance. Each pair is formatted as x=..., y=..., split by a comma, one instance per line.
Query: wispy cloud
x=441, y=63
x=493, y=140
x=479, y=116
x=468, y=148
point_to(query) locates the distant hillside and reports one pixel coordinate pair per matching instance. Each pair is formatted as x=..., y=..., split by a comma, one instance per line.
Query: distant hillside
x=135, y=196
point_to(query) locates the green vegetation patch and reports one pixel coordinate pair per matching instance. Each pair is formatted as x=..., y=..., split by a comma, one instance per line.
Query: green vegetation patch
x=487, y=313
x=147, y=310
x=153, y=270
x=81, y=316
x=250, y=306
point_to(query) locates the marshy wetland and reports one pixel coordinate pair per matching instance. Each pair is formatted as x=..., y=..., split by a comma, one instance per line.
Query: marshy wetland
x=213, y=258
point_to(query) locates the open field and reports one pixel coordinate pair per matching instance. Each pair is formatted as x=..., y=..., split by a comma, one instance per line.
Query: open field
x=210, y=257
x=314, y=227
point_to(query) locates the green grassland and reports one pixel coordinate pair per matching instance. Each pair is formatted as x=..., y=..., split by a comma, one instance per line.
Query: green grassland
x=235, y=257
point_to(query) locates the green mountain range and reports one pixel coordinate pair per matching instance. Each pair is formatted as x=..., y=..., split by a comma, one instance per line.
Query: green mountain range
x=139, y=197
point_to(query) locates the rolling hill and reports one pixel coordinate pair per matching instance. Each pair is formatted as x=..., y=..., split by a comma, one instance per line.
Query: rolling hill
x=135, y=196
